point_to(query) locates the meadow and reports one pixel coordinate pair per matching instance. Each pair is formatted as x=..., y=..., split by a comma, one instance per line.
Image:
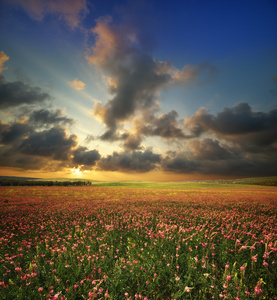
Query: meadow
x=191, y=241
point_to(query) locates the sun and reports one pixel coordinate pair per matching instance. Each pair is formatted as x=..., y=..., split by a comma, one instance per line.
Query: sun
x=76, y=172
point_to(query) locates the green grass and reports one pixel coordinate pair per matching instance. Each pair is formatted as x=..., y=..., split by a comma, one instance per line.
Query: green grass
x=209, y=184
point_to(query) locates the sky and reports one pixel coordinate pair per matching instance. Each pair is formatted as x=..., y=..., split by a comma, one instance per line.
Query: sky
x=138, y=90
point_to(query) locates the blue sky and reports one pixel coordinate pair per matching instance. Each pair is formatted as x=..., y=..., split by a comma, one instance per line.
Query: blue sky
x=138, y=89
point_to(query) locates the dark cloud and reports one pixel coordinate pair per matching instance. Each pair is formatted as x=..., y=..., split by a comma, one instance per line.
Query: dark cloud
x=132, y=142
x=89, y=138
x=165, y=126
x=179, y=163
x=49, y=143
x=130, y=161
x=239, y=124
x=44, y=117
x=13, y=133
x=16, y=93
x=16, y=160
x=209, y=157
x=209, y=149
x=85, y=157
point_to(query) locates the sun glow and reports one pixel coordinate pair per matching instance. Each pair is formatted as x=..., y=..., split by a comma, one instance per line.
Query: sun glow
x=77, y=172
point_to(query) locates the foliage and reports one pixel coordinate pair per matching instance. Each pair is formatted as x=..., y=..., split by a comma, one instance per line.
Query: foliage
x=120, y=243
x=18, y=182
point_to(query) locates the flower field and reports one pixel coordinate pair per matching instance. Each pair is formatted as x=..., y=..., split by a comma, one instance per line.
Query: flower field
x=124, y=243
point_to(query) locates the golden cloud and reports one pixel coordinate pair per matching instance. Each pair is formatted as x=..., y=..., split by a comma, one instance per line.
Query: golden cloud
x=3, y=58
x=77, y=84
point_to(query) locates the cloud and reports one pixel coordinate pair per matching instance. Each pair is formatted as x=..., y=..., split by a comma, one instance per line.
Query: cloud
x=135, y=78
x=84, y=157
x=165, y=126
x=89, y=138
x=13, y=133
x=16, y=93
x=3, y=58
x=77, y=84
x=199, y=74
x=210, y=157
x=239, y=124
x=70, y=11
x=130, y=161
x=52, y=143
x=44, y=117
x=209, y=149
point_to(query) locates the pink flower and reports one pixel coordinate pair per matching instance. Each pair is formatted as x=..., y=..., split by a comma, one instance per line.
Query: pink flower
x=254, y=258
x=247, y=292
x=40, y=289
x=258, y=289
x=90, y=294
x=126, y=294
x=76, y=286
x=187, y=289
x=228, y=277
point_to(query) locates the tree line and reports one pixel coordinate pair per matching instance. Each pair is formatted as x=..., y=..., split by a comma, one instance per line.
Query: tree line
x=17, y=182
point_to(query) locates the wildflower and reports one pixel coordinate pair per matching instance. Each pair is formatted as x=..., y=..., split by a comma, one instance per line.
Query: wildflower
x=106, y=294
x=40, y=289
x=247, y=292
x=76, y=286
x=227, y=266
x=254, y=257
x=258, y=289
x=126, y=294
x=187, y=289
x=90, y=294
x=228, y=277
x=242, y=268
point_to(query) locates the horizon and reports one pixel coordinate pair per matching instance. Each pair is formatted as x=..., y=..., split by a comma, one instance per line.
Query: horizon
x=136, y=90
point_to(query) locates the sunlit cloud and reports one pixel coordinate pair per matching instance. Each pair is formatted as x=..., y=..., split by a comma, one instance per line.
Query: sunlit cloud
x=3, y=58
x=77, y=84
